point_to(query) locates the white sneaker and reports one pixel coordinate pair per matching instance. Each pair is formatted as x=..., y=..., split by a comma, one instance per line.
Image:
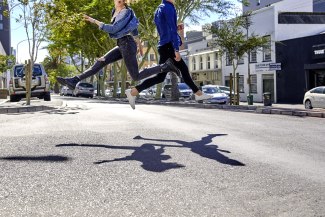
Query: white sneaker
x=130, y=98
x=202, y=97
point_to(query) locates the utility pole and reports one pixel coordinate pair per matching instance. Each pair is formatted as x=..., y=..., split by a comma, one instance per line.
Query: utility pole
x=28, y=80
x=249, y=96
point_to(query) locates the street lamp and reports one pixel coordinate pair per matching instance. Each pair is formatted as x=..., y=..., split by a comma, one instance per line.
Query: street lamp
x=17, y=48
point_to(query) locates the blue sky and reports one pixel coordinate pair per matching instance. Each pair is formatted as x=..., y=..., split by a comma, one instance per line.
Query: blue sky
x=18, y=35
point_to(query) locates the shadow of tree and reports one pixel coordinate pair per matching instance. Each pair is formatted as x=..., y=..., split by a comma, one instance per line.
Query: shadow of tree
x=150, y=157
x=48, y=158
x=202, y=148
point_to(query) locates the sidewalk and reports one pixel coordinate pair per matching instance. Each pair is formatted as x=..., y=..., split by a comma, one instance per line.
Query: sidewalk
x=19, y=107
x=279, y=109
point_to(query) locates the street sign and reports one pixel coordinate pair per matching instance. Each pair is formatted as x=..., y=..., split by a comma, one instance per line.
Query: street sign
x=9, y=62
x=275, y=66
x=264, y=67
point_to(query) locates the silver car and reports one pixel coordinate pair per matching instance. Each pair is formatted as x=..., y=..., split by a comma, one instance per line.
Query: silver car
x=84, y=89
x=315, y=98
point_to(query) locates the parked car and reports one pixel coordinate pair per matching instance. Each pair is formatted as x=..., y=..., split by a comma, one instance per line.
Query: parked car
x=108, y=92
x=224, y=89
x=217, y=95
x=40, y=84
x=65, y=91
x=184, y=90
x=146, y=94
x=84, y=89
x=315, y=98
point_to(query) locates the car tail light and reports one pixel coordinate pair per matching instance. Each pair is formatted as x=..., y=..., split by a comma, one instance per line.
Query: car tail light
x=46, y=79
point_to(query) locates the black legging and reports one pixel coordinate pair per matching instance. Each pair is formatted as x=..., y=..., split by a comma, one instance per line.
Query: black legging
x=167, y=51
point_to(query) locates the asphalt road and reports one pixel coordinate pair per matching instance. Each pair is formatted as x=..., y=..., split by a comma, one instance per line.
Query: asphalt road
x=93, y=158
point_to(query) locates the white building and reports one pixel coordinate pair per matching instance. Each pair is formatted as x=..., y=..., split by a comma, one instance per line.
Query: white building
x=265, y=22
x=204, y=63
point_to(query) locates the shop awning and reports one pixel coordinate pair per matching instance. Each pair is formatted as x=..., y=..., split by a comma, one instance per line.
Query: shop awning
x=314, y=66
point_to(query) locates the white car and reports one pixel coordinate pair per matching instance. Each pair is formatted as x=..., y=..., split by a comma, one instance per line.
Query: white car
x=217, y=95
x=40, y=84
x=315, y=98
x=84, y=89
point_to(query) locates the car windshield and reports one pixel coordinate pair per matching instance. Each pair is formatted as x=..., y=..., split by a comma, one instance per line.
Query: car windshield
x=210, y=90
x=19, y=71
x=87, y=85
x=183, y=86
x=224, y=88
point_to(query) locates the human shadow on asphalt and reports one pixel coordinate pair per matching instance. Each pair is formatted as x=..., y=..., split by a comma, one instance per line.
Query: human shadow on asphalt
x=48, y=158
x=203, y=148
x=150, y=157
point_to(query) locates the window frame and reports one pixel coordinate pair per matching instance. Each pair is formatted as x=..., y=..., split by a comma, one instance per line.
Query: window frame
x=251, y=60
x=253, y=85
x=208, y=61
x=267, y=53
x=194, y=63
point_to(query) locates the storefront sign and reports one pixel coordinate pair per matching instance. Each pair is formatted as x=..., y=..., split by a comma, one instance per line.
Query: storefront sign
x=264, y=67
x=319, y=51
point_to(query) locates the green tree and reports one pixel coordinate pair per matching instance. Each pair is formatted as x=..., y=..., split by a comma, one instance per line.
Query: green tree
x=194, y=11
x=32, y=15
x=232, y=40
x=55, y=66
x=70, y=32
x=4, y=62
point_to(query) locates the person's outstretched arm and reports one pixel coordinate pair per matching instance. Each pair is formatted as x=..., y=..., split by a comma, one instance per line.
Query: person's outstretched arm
x=121, y=20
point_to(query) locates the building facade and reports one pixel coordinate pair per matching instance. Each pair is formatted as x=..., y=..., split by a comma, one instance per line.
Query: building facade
x=302, y=68
x=5, y=46
x=318, y=5
x=278, y=25
x=204, y=63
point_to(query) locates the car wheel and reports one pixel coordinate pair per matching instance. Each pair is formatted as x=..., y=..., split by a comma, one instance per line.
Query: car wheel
x=14, y=99
x=308, y=104
x=47, y=96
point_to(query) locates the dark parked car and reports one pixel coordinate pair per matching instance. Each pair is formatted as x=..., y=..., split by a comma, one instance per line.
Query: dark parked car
x=184, y=90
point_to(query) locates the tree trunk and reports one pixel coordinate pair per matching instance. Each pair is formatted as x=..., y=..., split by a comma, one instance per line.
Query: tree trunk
x=174, y=90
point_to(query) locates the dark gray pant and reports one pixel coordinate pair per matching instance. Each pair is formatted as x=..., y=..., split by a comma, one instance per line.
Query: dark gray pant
x=126, y=49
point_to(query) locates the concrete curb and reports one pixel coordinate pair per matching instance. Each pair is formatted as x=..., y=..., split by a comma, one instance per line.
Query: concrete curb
x=30, y=108
x=247, y=108
x=235, y=108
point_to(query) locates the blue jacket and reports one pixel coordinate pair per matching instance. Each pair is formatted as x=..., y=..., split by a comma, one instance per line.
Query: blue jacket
x=166, y=22
x=124, y=23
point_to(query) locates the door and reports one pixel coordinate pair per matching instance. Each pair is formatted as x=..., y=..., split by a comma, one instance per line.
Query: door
x=268, y=85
